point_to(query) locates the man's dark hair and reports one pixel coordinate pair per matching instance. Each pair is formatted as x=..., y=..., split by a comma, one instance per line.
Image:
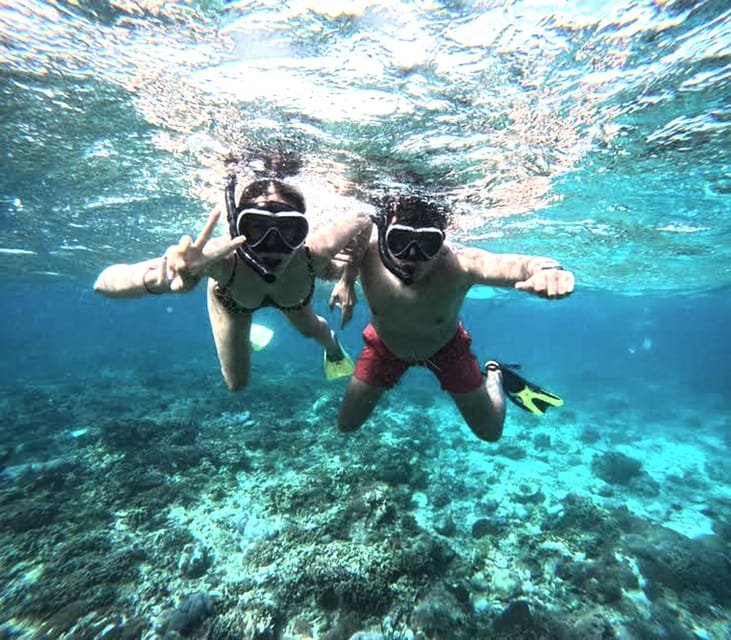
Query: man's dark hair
x=413, y=210
x=272, y=190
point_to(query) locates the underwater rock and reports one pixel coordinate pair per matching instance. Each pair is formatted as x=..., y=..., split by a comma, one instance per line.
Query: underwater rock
x=194, y=561
x=254, y=621
x=602, y=580
x=616, y=468
x=516, y=616
x=342, y=576
x=589, y=527
x=189, y=615
x=397, y=471
x=529, y=494
x=84, y=572
x=441, y=615
x=592, y=626
x=646, y=486
x=487, y=506
x=445, y=526
x=346, y=627
x=523, y=619
x=488, y=527
x=663, y=624
x=511, y=450
x=255, y=528
x=27, y=514
x=64, y=619
x=42, y=473
x=681, y=564
x=113, y=628
x=443, y=489
x=542, y=442
x=167, y=447
x=590, y=435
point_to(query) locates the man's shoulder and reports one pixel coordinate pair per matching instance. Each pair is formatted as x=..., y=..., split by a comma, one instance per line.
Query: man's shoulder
x=467, y=261
x=457, y=254
x=468, y=255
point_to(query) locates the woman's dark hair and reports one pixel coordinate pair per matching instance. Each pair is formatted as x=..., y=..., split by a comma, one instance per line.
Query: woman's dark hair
x=274, y=190
x=413, y=210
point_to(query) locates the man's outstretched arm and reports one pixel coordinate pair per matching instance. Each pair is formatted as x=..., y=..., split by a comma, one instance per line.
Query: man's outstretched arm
x=539, y=275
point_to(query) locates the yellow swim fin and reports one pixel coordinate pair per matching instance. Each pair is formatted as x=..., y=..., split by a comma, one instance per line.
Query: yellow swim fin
x=341, y=368
x=525, y=394
x=260, y=336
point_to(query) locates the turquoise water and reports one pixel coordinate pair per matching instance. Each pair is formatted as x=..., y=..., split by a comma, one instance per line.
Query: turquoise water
x=140, y=499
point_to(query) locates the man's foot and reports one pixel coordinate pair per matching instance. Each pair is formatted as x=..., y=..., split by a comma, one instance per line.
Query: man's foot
x=525, y=394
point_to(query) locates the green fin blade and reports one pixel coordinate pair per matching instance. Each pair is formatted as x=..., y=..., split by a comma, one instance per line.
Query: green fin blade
x=335, y=369
x=527, y=395
x=260, y=336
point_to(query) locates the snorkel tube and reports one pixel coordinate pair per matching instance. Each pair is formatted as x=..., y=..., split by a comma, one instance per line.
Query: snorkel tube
x=381, y=222
x=244, y=252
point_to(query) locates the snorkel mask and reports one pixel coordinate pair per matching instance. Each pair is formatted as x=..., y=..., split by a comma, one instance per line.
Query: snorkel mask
x=405, y=242
x=274, y=228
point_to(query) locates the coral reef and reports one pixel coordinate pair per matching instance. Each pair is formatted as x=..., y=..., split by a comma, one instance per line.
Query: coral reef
x=191, y=519
x=616, y=468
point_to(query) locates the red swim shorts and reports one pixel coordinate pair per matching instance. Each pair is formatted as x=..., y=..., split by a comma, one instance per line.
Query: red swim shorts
x=454, y=364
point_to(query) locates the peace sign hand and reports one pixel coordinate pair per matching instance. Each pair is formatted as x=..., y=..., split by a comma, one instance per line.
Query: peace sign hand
x=188, y=261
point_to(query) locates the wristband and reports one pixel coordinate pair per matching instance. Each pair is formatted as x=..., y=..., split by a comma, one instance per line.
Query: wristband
x=144, y=282
x=557, y=267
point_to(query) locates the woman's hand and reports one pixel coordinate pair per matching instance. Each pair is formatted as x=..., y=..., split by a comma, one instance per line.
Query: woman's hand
x=184, y=264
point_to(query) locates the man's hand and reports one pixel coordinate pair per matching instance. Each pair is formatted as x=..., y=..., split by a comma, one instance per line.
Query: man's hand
x=343, y=296
x=184, y=264
x=548, y=283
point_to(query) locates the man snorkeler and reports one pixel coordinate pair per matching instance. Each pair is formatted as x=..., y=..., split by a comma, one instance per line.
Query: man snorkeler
x=415, y=284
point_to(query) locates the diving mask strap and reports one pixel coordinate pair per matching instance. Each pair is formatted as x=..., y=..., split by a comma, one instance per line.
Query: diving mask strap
x=386, y=258
x=244, y=252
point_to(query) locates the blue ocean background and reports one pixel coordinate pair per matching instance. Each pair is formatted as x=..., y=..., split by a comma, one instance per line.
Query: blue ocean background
x=140, y=499
x=666, y=356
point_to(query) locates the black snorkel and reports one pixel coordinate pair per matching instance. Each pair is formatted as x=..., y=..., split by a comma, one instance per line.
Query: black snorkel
x=244, y=252
x=381, y=222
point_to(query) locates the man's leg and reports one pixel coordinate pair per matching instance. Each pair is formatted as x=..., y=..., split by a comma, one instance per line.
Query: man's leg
x=484, y=408
x=358, y=403
x=381, y=369
x=482, y=405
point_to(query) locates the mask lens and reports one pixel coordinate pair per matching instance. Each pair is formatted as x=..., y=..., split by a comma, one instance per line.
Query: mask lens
x=427, y=240
x=254, y=226
x=283, y=231
x=293, y=229
x=398, y=240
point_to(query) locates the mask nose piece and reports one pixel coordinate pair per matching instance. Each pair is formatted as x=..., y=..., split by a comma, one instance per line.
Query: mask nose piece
x=270, y=242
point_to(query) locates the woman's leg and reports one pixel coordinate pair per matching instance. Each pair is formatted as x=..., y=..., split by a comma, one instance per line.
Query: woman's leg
x=231, y=335
x=310, y=325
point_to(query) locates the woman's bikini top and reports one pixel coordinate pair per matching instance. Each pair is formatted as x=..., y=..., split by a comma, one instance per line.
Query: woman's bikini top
x=223, y=293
